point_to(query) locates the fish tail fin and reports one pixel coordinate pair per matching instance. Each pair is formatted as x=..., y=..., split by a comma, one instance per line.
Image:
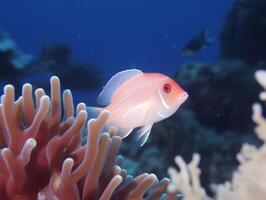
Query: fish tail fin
x=93, y=112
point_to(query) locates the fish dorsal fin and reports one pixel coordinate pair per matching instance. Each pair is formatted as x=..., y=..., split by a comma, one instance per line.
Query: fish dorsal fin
x=114, y=83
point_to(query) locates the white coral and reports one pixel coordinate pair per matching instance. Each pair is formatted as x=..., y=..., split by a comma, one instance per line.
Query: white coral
x=187, y=180
x=249, y=180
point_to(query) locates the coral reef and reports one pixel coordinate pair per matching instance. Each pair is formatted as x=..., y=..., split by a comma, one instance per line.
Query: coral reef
x=56, y=59
x=187, y=180
x=53, y=60
x=214, y=122
x=243, y=35
x=41, y=156
x=11, y=55
x=216, y=92
x=12, y=61
x=248, y=181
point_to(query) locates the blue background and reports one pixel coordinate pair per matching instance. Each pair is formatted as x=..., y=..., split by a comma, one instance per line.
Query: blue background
x=116, y=34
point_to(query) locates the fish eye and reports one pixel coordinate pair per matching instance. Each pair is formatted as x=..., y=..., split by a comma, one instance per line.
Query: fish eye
x=167, y=88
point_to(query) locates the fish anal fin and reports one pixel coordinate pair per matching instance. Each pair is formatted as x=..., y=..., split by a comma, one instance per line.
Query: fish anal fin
x=123, y=132
x=113, y=84
x=141, y=135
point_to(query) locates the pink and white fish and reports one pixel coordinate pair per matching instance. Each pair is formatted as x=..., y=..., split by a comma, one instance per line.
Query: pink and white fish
x=138, y=100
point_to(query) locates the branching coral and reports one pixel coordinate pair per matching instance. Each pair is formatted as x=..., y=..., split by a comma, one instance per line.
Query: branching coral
x=42, y=156
x=248, y=182
x=187, y=180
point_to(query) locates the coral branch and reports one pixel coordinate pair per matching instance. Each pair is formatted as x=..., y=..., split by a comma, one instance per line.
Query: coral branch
x=116, y=180
x=27, y=101
x=39, y=93
x=16, y=167
x=187, y=180
x=163, y=184
x=68, y=104
x=94, y=130
x=92, y=178
x=9, y=117
x=39, y=117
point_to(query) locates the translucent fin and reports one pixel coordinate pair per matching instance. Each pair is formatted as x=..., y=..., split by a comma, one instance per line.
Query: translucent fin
x=142, y=134
x=113, y=84
x=123, y=132
x=93, y=112
x=138, y=111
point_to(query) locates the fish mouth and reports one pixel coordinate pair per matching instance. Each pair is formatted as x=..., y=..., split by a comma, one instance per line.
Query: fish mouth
x=183, y=98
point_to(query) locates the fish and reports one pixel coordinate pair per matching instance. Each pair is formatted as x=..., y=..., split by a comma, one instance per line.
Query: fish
x=136, y=99
x=196, y=44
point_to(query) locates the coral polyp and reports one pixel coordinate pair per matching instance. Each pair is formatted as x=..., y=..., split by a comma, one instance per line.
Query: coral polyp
x=42, y=156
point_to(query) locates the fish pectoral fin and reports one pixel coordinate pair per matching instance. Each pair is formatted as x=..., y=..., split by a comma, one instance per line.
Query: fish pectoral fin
x=123, y=132
x=142, y=134
x=138, y=111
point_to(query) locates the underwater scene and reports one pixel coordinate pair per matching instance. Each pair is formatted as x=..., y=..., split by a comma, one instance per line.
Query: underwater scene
x=133, y=100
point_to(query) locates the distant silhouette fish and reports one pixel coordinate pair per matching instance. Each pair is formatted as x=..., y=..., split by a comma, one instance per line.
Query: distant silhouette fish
x=138, y=100
x=196, y=44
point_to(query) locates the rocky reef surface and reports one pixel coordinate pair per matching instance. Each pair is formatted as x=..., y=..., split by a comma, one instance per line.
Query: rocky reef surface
x=243, y=33
x=54, y=59
x=12, y=60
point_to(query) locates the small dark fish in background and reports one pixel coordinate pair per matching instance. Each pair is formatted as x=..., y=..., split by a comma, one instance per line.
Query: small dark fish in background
x=196, y=43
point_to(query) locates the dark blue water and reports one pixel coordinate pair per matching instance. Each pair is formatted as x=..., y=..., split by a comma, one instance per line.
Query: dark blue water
x=116, y=34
